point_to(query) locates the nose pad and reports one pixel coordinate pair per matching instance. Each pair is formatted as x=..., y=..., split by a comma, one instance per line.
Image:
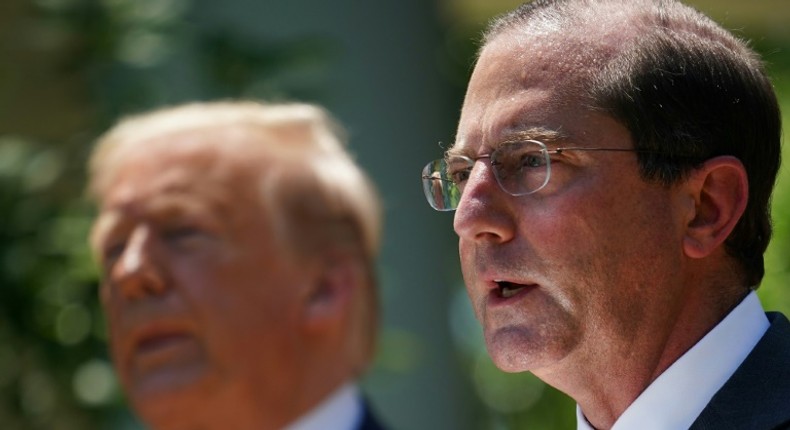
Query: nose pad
x=137, y=273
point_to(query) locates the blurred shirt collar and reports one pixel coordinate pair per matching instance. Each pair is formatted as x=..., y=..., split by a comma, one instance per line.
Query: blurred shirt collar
x=340, y=411
x=678, y=396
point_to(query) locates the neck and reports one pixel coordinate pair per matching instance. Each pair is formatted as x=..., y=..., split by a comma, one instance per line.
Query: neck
x=605, y=378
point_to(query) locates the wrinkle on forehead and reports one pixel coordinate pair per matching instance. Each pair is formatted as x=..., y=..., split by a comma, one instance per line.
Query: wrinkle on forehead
x=545, y=135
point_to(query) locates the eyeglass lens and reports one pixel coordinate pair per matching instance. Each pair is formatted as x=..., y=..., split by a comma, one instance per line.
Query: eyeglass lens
x=520, y=168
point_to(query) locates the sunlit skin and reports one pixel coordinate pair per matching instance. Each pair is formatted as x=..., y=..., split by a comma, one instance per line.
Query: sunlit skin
x=206, y=310
x=610, y=295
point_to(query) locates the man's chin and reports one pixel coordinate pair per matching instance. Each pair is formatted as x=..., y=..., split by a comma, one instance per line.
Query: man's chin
x=515, y=349
x=166, y=398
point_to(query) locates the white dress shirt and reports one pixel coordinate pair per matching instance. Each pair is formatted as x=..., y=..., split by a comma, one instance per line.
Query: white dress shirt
x=340, y=411
x=677, y=397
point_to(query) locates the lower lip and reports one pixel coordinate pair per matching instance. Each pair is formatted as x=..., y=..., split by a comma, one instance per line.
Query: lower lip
x=164, y=366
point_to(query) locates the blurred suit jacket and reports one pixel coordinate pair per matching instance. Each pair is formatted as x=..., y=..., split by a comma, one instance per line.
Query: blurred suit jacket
x=369, y=421
x=757, y=395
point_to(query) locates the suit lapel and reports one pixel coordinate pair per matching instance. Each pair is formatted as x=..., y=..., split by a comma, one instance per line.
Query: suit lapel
x=757, y=396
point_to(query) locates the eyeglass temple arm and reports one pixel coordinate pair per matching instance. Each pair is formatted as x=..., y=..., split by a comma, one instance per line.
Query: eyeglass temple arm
x=571, y=148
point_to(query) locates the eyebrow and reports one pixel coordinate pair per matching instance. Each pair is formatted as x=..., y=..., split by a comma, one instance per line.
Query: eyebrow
x=162, y=208
x=547, y=136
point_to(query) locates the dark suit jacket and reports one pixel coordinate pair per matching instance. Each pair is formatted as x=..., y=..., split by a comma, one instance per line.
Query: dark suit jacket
x=369, y=421
x=757, y=395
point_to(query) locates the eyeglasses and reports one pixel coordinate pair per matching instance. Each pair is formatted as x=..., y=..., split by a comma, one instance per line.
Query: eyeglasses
x=520, y=168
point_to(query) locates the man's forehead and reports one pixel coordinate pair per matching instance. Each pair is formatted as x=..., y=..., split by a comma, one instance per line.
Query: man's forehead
x=518, y=112
x=187, y=175
x=526, y=75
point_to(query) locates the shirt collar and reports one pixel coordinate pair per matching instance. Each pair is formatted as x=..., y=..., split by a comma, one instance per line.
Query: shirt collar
x=341, y=410
x=678, y=396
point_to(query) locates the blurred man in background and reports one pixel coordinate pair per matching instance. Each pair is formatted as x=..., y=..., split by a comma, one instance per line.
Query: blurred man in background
x=237, y=242
x=611, y=178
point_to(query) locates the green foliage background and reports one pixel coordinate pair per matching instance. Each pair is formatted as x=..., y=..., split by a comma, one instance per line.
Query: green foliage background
x=69, y=68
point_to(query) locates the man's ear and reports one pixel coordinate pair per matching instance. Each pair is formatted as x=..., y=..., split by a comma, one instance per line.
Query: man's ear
x=329, y=298
x=720, y=189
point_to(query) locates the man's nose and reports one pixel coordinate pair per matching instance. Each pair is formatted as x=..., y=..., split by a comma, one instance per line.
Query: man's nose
x=138, y=272
x=482, y=213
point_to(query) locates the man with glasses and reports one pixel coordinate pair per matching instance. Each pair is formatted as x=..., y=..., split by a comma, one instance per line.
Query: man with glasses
x=237, y=243
x=610, y=178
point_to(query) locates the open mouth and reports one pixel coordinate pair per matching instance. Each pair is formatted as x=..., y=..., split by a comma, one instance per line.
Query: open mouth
x=159, y=341
x=507, y=289
x=165, y=350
